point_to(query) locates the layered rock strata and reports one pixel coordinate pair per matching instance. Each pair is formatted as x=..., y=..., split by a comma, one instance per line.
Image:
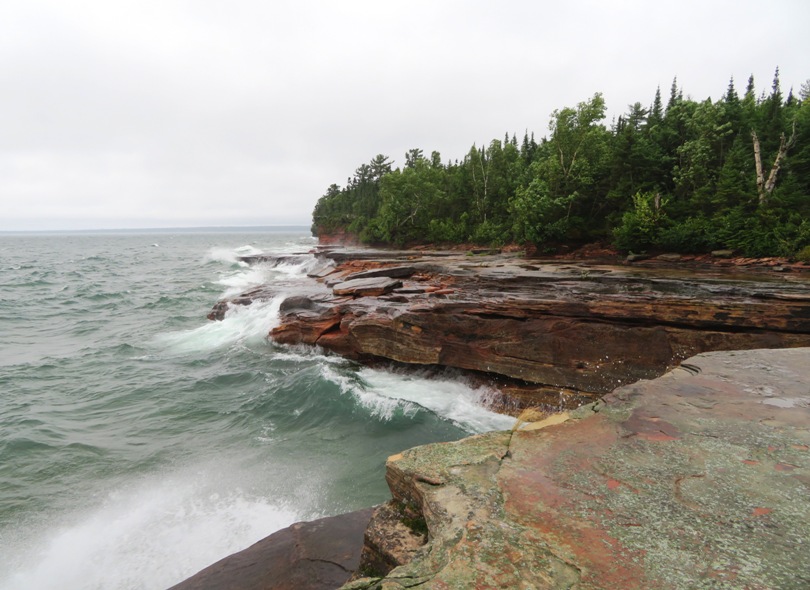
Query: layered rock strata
x=698, y=479
x=546, y=333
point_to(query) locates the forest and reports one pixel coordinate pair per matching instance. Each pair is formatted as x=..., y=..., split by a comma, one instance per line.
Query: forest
x=679, y=175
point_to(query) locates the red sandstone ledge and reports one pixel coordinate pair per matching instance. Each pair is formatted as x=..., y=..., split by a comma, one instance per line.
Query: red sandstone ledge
x=545, y=332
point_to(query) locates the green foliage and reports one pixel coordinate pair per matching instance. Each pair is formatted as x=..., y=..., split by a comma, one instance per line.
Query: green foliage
x=446, y=231
x=641, y=227
x=585, y=182
x=693, y=235
x=489, y=233
x=537, y=216
x=764, y=233
x=803, y=255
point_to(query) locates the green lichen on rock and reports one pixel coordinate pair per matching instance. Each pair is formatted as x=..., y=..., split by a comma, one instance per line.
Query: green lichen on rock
x=723, y=506
x=699, y=479
x=436, y=460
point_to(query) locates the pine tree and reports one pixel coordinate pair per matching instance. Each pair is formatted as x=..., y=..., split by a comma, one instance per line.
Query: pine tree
x=673, y=93
x=657, y=110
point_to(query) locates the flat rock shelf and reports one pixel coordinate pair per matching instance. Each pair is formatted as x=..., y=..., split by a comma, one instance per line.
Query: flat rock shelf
x=697, y=479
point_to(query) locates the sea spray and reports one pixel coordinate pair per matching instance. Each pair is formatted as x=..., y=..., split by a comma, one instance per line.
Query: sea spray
x=384, y=392
x=241, y=324
x=140, y=442
x=231, y=255
x=451, y=399
x=147, y=534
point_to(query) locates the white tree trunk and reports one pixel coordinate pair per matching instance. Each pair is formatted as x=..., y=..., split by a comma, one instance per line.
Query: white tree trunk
x=765, y=187
x=763, y=199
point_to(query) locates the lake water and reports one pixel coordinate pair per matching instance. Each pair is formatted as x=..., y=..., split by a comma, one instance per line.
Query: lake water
x=140, y=442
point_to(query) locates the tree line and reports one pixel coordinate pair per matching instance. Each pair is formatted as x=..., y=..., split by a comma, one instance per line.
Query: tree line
x=681, y=176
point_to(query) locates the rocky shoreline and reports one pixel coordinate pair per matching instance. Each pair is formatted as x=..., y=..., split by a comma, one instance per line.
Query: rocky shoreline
x=590, y=500
x=541, y=332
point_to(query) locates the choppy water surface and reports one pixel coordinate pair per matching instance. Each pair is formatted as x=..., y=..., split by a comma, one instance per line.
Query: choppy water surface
x=140, y=442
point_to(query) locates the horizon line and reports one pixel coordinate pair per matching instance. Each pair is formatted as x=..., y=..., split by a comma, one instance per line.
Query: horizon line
x=160, y=229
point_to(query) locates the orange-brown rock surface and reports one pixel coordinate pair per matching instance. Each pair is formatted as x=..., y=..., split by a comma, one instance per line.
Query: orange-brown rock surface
x=558, y=326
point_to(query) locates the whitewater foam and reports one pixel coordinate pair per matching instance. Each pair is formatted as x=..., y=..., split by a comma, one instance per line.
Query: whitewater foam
x=380, y=406
x=244, y=280
x=150, y=536
x=231, y=255
x=384, y=393
x=299, y=269
x=256, y=275
x=248, y=324
x=452, y=400
x=305, y=353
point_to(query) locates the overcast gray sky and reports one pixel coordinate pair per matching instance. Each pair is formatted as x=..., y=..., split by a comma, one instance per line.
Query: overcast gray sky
x=117, y=113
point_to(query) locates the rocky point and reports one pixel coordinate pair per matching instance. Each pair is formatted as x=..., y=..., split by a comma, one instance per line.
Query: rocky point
x=544, y=332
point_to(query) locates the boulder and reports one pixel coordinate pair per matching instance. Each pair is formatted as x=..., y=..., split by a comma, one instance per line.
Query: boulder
x=317, y=555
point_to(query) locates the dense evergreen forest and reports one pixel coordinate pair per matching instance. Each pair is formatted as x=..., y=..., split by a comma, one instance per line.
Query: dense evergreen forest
x=679, y=176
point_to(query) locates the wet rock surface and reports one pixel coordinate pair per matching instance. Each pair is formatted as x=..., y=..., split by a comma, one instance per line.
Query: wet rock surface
x=366, y=286
x=573, y=330
x=698, y=479
x=317, y=555
x=394, y=272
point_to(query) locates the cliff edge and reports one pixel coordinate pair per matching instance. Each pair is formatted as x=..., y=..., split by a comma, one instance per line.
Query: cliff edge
x=550, y=333
x=697, y=479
